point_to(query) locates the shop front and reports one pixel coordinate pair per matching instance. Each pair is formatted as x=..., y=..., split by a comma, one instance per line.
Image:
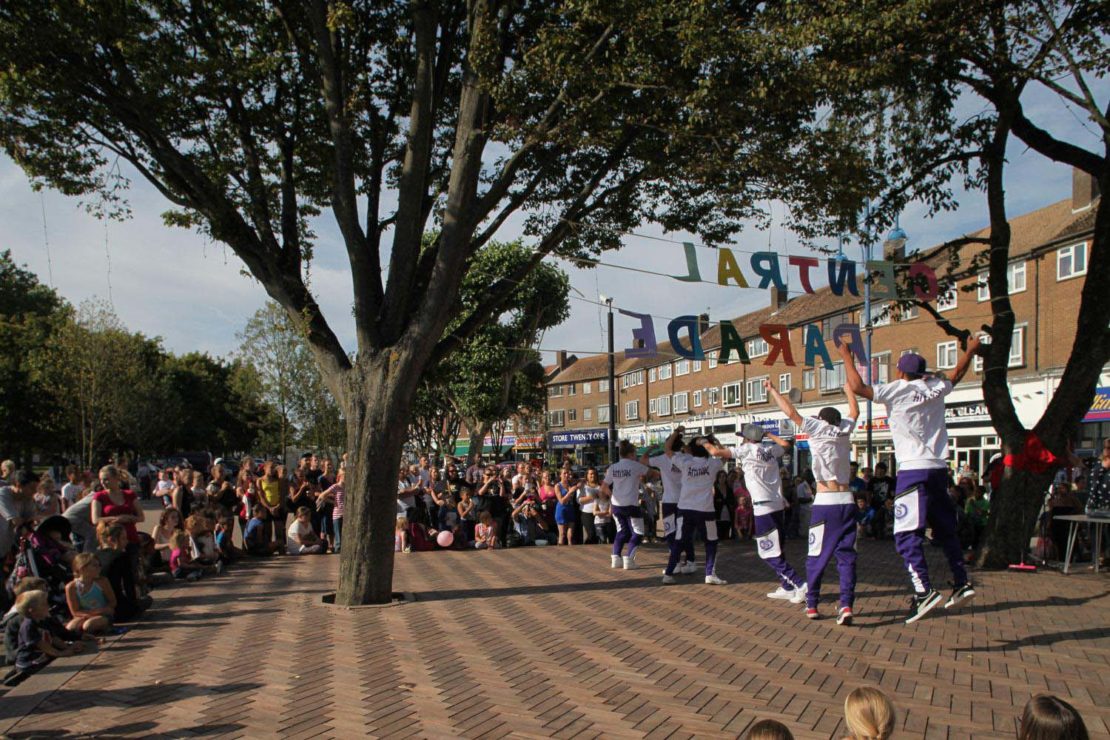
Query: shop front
x=1096, y=425
x=528, y=447
x=582, y=447
x=490, y=448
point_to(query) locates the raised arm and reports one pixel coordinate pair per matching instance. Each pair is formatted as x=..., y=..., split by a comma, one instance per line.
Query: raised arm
x=784, y=443
x=853, y=402
x=851, y=374
x=965, y=360
x=783, y=403
x=716, y=450
x=669, y=445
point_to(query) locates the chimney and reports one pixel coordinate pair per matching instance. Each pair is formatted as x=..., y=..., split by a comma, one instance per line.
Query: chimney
x=779, y=297
x=561, y=359
x=1084, y=189
x=703, y=323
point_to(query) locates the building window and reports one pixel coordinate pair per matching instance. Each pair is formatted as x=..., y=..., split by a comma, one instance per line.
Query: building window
x=833, y=380
x=712, y=396
x=554, y=391
x=653, y=406
x=651, y=375
x=1071, y=261
x=755, y=390
x=602, y=386
x=809, y=379
x=697, y=366
x=602, y=414
x=585, y=389
x=639, y=376
x=880, y=368
x=758, y=347
x=946, y=355
x=509, y=425
x=977, y=362
x=572, y=389
x=682, y=367
x=983, y=288
x=732, y=394
x=665, y=371
x=587, y=414
x=1015, y=281
x=631, y=410
x=784, y=383
x=663, y=405
x=697, y=399
x=555, y=418
x=880, y=314
x=908, y=313
x=681, y=403
x=712, y=358
x=1017, y=347
x=947, y=298
x=827, y=325
x=572, y=414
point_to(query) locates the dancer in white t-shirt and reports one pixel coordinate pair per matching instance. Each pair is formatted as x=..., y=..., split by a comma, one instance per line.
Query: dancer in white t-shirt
x=915, y=411
x=760, y=464
x=695, y=509
x=671, y=474
x=832, y=529
x=622, y=483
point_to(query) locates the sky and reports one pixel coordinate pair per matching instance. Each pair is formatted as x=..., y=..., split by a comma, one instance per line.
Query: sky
x=194, y=293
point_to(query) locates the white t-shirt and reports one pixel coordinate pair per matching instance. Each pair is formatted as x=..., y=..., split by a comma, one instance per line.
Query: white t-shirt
x=409, y=499
x=590, y=491
x=671, y=473
x=760, y=464
x=915, y=412
x=831, y=448
x=297, y=530
x=698, y=474
x=623, y=479
x=71, y=492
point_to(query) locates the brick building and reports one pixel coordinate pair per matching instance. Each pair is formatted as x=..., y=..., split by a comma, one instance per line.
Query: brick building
x=1049, y=250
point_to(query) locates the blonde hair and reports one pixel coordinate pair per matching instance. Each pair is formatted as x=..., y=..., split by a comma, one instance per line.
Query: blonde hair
x=869, y=714
x=7, y=469
x=106, y=531
x=30, y=583
x=402, y=523
x=179, y=540
x=28, y=601
x=83, y=560
x=769, y=729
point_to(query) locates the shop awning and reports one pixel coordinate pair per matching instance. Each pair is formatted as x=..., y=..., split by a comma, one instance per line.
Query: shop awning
x=1100, y=406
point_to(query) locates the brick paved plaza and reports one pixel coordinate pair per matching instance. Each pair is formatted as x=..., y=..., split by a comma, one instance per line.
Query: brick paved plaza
x=551, y=642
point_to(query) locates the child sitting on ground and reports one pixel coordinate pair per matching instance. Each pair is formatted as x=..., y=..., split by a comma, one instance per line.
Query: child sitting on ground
x=1048, y=718
x=12, y=619
x=202, y=543
x=168, y=523
x=90, y=598
x=302, y=540
x=37, y=645
x=254, y=536
x=225, y=529
x=485, y=534
x=401, y=535
x=181, y=560
x=869, y=714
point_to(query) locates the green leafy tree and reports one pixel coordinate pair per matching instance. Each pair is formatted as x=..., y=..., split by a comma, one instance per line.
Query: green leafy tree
x=584, y=119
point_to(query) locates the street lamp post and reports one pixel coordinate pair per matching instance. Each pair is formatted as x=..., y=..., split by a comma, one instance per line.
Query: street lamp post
x=612, y=387
x=870, y=327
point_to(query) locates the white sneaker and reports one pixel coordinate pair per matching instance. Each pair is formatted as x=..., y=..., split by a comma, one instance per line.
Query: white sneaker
x=687, y=569
x=798, y=595
x=614, y=561
x=713, y=580
x=668, y=580
x=781, y=593
x=630, y=562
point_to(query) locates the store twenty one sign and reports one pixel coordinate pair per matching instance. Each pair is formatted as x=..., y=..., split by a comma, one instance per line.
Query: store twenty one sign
x=588, y=437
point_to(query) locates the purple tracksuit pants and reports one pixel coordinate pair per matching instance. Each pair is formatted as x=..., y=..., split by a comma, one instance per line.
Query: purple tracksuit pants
x=768, y=538
x=832, y=531
x=922, y=499
x=688, y=521
x=630, y=529
x=670, y=530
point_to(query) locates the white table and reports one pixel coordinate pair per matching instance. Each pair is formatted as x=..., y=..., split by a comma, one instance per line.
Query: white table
x=1076, y=520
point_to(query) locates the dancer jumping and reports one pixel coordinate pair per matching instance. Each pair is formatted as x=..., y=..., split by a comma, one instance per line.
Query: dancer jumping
x=761, y=475
x=832, y=529
x=695, y=509
x=915, y=410
x=671, y=473
x=622, y=483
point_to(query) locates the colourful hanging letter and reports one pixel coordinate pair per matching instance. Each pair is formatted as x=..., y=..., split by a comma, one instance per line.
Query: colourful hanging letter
x=920, y=271
x=847, y=271
x=855, y=343
x=778, y=340
x=815, y=345
x=690, y=323
x=693, y=274
x=804, y=264
x=730, y=341
x=771, y=272
x=882, y=278
x=727, y=268
x=646, y=333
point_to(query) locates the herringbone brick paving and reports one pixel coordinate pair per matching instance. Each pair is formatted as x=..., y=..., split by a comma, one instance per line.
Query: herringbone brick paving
x=549, y=642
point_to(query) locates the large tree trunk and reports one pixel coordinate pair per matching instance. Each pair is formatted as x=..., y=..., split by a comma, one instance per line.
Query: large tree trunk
x=378, y=398
x=477, y=431
x=1014, y=510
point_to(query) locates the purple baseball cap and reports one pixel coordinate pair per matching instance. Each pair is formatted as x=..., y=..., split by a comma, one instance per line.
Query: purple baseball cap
x=912, y=364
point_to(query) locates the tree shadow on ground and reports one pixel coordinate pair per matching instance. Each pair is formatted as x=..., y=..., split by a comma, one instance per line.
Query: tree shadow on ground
x=67, y=700
x=1050, y=638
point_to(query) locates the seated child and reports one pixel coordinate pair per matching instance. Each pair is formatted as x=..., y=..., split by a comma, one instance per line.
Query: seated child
x=202, y=543
x=181, y=559
x=485, y=534
x=869, y=713
x=302, y=540
x=225, y=529
x=12, y=619
x=168, y=523
x=37, y=645
x=254, y=536
x=165, y=487
x=865, y=515
x=90, y=597
x=401, y=535
x=422, y=538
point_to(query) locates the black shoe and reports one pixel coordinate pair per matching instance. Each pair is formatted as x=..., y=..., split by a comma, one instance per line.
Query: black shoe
x=920, y=605
x=961, y=595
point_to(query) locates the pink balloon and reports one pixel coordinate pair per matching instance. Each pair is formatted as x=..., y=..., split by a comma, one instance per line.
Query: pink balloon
x=444, y=539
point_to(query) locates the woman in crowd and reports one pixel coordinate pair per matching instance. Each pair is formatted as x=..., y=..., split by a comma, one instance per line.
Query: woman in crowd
x=724, y=503
x=565, y=508
x=247, y=493
x=587, y=502
x=117, y=506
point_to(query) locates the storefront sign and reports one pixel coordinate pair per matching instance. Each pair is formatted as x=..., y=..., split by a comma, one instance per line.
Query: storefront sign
x=973, y=413
x=1100, y=407
x=877, y=425
x=530, y=442
x=576, y=439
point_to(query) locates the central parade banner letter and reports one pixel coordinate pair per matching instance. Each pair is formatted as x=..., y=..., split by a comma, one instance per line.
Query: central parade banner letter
x=727, y=268
x=771, y=272
x=690, y=323
x=645, y=333
x=730, y=341
x=778, y=340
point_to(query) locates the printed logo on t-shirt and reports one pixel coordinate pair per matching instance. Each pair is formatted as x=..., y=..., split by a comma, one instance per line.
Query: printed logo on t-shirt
x=701, y=472
x=621, y=473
